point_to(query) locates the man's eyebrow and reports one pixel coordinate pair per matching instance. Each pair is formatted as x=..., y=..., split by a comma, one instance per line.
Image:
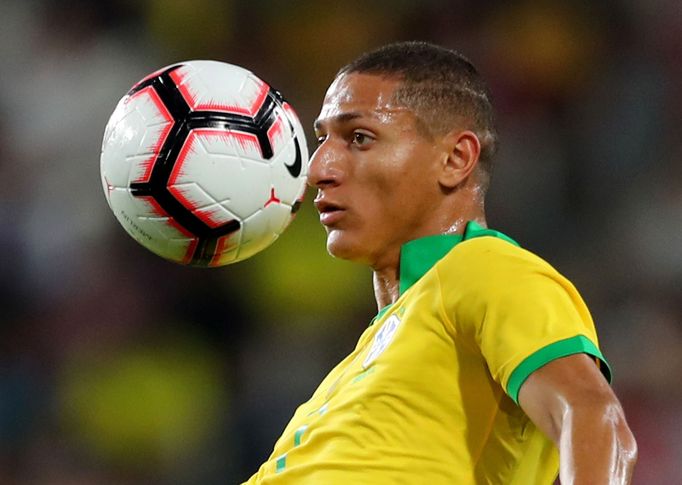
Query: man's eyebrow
x=340, y=118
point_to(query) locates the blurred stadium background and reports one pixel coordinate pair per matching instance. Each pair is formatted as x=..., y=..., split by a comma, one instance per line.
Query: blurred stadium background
x=119, y=368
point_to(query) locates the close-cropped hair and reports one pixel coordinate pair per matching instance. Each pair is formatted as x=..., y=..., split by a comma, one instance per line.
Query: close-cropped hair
x=440, y=86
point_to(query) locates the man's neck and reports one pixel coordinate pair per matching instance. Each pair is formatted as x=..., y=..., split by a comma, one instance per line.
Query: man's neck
x=386, y=286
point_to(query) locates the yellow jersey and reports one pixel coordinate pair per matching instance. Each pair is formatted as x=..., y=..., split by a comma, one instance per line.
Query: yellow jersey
x=429, y=395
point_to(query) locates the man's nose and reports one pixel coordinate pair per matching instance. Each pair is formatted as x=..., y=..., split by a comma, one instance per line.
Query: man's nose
x=326, y=165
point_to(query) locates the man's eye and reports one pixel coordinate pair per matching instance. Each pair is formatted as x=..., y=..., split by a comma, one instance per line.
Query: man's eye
x=321, y=139
x=361, y=139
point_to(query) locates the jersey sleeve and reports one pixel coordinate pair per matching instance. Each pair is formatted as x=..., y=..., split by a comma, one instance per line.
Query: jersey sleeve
x=520, y=313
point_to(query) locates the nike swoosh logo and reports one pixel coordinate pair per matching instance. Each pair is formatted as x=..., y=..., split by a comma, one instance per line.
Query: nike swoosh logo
x=295, y=168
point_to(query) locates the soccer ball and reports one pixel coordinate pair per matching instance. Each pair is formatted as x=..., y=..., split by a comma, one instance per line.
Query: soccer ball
x=203, y=163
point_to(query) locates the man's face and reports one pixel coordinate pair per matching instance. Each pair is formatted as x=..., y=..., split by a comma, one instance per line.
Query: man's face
x=375, y=171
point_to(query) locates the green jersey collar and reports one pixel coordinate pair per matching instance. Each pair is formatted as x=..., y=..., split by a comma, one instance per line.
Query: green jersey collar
x=419, y=256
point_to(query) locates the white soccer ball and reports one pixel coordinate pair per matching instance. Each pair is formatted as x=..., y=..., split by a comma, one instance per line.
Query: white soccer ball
x=203, y=163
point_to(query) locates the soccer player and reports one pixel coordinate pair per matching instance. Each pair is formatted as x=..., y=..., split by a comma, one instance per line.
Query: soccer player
x=482, y=365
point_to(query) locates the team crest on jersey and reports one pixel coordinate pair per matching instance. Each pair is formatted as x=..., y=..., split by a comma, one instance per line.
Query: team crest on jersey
x=382, y=339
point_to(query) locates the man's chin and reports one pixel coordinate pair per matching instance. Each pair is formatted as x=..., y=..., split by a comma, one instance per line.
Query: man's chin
x=341, y=246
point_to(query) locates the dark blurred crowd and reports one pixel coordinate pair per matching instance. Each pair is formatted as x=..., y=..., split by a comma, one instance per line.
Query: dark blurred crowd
x=117, y=367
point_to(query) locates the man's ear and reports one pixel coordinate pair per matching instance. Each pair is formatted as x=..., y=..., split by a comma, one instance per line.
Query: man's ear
x=462, y=149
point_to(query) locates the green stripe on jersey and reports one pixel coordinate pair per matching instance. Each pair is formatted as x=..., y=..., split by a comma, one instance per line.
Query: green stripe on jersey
x=562, y=348
x=281, y=463
x=299, y=434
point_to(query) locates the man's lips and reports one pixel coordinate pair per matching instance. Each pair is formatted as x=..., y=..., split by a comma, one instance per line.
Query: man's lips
x=330, y=212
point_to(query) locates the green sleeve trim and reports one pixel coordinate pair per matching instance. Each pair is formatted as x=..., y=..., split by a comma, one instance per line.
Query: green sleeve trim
x=573, y=345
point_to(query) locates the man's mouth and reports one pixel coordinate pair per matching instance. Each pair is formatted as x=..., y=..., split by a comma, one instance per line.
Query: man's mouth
x=330, y=212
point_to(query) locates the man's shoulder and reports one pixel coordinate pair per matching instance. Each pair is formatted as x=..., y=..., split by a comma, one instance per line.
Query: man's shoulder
x=487, y=256
x=491, y=249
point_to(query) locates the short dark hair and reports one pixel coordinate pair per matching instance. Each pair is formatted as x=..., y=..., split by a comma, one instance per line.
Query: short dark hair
x=440, y=85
